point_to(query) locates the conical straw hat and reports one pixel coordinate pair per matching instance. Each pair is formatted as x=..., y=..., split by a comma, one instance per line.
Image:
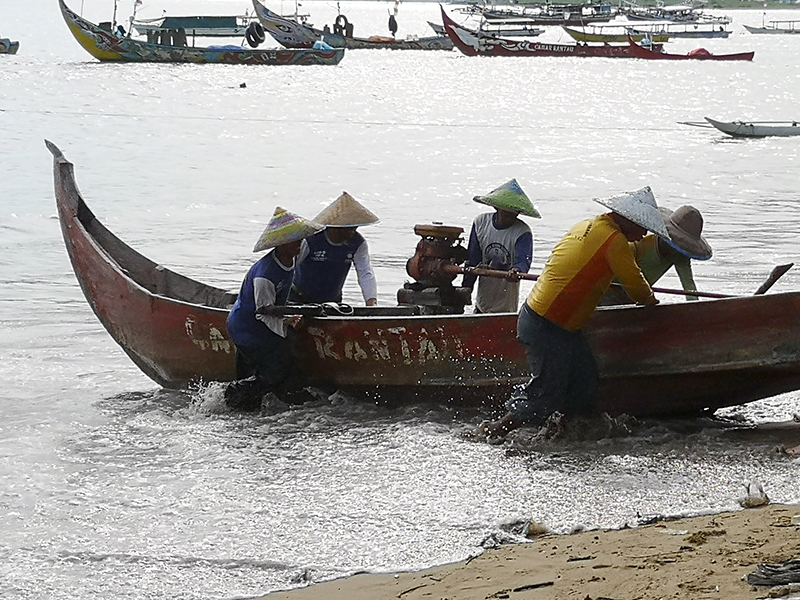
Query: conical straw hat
x=510, y=197
x=285, y=227
x=638, y=206
x=346, y=211
x=685, y=226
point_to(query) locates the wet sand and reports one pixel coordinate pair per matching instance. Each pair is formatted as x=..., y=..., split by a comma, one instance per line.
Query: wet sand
x=691, y=558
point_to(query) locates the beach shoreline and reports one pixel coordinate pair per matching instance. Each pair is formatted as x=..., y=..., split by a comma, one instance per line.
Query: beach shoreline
x=708, y=556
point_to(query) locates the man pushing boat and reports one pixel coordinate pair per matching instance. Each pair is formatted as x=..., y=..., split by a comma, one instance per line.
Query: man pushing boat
x=564, y=376
x=264, y=361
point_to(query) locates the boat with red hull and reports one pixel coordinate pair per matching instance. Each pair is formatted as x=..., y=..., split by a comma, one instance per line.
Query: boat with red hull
x=671, y=359
x=473, y=43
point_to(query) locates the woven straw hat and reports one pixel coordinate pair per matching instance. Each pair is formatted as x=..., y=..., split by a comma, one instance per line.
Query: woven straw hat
x=510, y=197
x=346, y=211
x=285, y=227
x=638, y=206
x=685, y=226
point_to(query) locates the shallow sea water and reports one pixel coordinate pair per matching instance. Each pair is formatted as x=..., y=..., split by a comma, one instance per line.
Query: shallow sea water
x=110, y=486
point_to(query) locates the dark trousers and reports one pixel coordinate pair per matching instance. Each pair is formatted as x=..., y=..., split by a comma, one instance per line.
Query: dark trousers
x=262, y=369
x=564, y=375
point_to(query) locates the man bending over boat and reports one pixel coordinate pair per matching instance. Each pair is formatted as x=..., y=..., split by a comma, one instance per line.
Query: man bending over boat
x=325, y=258
x=656, y=255
x=502, y=242
x=583, y=264
x=264, y=360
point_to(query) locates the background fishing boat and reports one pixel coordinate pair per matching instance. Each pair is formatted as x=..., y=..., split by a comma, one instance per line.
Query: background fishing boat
x=294, y=34
x=617, y=34
x=776, y=27
x=757, y=128
x=193, y=26
x=674, y=359
x=680, y=29
x=106, y=45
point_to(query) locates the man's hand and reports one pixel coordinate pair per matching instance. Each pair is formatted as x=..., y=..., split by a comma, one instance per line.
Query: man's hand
x=294, y=321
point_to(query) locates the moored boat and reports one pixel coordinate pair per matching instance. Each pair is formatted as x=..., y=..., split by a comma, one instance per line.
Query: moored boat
x=612, y=34
x=473, y=43
x=698, y=54
x=671, y=359
x=8, y=47
x=757, y=128
x=777, y=27
x=105, y=45
x=194, y=26
x=294, y=34
x=680, y=29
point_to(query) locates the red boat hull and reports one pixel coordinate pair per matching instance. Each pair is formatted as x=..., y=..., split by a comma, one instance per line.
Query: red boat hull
x=671, y=359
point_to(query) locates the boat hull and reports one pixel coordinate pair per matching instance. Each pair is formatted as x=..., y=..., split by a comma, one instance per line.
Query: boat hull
x=291, y=34
x=105, y=46
x=700, y=54
x=619, y=38
x=472, y=43
x=672, y=359
x=740, y=129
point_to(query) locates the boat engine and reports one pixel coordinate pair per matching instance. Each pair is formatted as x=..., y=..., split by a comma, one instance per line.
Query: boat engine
x=434, y=266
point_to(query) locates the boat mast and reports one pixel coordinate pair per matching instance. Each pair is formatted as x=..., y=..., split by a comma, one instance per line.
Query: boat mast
x=114, y=18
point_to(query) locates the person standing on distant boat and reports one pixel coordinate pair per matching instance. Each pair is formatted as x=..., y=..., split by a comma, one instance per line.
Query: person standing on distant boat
x=325, y=258
x=656, y=255
x=502, y=242
x=264, y=360
x=583, y=264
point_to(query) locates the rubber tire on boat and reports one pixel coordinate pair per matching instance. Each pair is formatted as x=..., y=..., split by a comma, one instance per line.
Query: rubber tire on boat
x=255, y=34
x=340, y=25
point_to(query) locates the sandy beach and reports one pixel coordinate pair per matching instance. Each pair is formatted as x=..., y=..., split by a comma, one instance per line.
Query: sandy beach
x=689, y=558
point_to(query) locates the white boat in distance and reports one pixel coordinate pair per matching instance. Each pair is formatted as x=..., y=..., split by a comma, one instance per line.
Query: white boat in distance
x=775, y=27
x=757, y=128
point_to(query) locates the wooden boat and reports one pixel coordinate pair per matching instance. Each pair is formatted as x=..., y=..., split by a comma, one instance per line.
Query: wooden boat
x=503, y=29
x=616, y=34
x=757, y=128
x=675, y=14
x=698, y=54
x=680, y=30
x=671, y=359
x=545, y=14
x=778, y=27
x=293, y=34
x=472, y=43
x=8, y=47
x=194, y=26
x=106, y=46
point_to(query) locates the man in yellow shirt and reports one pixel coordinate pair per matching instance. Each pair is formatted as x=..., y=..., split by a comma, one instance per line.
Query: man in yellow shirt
x=579, y=271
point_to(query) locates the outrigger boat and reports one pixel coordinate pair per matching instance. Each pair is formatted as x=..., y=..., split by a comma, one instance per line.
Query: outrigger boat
x=778, y=27
x=474, y=43
x=294, y=34
x=106, y=45
x=613, y=34
x=757, y=128
x=672, y=359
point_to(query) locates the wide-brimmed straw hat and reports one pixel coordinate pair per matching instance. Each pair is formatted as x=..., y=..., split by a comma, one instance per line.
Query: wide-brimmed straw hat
x=638, y=206
x=510, y=197
x=285, y=227
x=346, y=211
x=685, y=226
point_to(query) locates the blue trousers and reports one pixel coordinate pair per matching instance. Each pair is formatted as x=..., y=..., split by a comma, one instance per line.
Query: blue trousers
x=564, y=375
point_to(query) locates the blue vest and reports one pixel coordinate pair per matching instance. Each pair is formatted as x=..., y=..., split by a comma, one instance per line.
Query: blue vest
x=243, y=327
x=320, y=277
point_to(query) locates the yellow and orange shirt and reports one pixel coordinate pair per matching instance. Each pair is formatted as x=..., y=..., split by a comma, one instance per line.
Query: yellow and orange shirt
x=581, y=268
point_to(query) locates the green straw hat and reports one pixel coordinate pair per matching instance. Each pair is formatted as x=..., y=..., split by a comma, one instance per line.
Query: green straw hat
x=285, y=227
x=510, y=197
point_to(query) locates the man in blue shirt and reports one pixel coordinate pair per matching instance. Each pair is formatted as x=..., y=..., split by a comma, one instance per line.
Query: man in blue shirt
x=264, y=360
x=502, y=242
x=325, y=258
